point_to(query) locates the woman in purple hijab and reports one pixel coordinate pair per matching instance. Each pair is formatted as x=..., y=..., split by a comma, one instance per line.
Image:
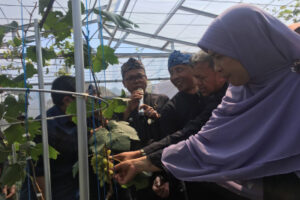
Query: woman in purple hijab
x=255, y=131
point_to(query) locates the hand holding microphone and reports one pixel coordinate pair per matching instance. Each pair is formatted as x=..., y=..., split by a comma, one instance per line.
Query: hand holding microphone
x=141, y=110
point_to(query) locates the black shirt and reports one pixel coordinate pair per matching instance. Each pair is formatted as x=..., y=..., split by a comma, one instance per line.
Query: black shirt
x=62, y=135
x=179, y=110
x=148, y=130
x=191, y=127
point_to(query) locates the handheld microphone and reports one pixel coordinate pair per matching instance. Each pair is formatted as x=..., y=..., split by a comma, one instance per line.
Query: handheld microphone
x=141, y=111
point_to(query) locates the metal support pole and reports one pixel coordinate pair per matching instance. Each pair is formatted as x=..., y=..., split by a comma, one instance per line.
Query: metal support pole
x=80, y=103
x=47, y=176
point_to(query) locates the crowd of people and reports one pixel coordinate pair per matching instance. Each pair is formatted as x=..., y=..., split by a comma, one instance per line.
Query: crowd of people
x=231, y=132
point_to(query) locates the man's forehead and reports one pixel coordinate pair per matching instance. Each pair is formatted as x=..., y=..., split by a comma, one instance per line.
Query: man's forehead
x=179, y=67
x=133, y=72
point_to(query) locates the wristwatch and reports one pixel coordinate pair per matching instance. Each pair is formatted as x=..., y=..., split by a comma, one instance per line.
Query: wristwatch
x=143, y=152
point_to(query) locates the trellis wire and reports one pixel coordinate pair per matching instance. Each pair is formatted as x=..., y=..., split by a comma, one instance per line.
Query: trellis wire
x=93, y=114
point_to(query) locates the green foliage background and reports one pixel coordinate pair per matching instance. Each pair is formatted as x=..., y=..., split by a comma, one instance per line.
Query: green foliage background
x=58, y=26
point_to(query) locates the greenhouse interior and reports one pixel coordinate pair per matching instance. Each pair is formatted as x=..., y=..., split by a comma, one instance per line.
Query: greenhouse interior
x=149, y=99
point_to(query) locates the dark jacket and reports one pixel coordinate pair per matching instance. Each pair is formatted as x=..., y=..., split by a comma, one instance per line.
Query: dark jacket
x=147, y=129
x=62, y=135
x=191, y=116
x=203, y=110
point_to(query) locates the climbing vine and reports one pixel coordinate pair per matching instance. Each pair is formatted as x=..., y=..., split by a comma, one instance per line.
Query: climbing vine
x=17, y=133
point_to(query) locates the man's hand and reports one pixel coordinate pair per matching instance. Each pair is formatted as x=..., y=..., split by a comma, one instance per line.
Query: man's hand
x=127, y=155
x=149, y=111
x=133, y=103
x=9, y=192
x=125, y=171
x=135, y=98
x=161, y=188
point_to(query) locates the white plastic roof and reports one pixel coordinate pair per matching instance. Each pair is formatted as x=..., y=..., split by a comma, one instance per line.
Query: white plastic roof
x=164, y=25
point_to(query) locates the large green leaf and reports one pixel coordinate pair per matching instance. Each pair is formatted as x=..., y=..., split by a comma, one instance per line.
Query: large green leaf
x=2, y=110
x=117, y=138
x=116, y=105
x=30, y=71
x=2, y=34
x=122, y=128
x=37, y=151
x=7, y=28
x=17, y=41
x=34, y=128
x=13, y=108
x=43, y=5
x=100, y=63
x=101, y=139
x=12, y=173
x=6, y=82
x=118, y=142
x=47, y=54
x=67, y=51
x=58, y=26
x=116, y=19
x=91, y=106
x=14, y=133
x=4, y=152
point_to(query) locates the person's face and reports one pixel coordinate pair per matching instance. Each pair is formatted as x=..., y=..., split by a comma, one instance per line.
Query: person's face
x=182, y=78
x=231, y=69
x=135, y=79
x=209, y=81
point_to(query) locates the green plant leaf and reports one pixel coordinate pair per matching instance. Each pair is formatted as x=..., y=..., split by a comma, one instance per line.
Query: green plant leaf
x=37, y=151
x=4, y=152
x=6, y=82
x=120, y=108
x=116, y=19
x=30, y=70
x=122, y=128
x=13, y=108
x=116, y=105
x=17, y=41
x=14, y=133
x=43, y=5
x=2, y=110
x=34, y=128
x=90, y=106
x=123, y=94
x=47, y=54
x=109, y=58
x=2, y=34
x=118, y=142
x=57, y=25
x=12, y=173
x=101, y=139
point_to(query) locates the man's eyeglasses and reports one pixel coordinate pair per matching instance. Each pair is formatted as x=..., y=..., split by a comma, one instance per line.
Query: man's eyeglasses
x=133, y=78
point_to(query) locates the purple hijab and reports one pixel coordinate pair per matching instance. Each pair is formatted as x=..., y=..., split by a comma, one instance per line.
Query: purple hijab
x=255, y=131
